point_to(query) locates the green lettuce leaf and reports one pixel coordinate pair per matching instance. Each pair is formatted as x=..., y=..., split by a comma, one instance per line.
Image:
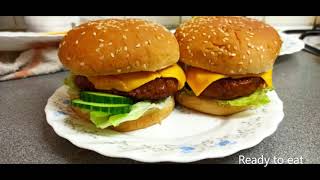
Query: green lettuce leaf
x=73, y=89
x=256, y=99
x=104, y=120
x=69, y=81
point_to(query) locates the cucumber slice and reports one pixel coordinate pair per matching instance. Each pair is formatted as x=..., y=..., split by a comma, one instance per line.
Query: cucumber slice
x=107, y=98
x=108, y=108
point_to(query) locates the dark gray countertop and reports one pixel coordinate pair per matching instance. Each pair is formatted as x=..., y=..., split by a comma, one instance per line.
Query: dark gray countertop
x=25, y=136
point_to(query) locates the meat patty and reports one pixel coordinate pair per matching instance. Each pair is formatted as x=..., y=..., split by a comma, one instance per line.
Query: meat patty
x=153, y=90
x=226, y=89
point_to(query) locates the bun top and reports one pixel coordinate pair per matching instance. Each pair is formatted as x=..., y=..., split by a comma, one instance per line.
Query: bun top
x=116, y=46
x=228, y=45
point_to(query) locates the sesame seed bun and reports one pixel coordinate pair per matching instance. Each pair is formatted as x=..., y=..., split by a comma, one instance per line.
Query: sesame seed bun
x=228, y=45
x=116, y=46
x=207, y=105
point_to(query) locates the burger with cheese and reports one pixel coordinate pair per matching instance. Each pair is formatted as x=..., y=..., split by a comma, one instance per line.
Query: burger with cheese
x=123, y=73
x=228, y=63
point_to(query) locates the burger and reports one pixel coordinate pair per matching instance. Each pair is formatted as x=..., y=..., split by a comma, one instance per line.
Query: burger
x=228, y=63
x=123, y=73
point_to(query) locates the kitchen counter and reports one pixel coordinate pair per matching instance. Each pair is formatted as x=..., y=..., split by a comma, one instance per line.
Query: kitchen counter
x=25, y=136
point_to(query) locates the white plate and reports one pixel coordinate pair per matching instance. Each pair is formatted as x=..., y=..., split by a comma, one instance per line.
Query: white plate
x=18, y=41
x=291, y=44
x=184, y=136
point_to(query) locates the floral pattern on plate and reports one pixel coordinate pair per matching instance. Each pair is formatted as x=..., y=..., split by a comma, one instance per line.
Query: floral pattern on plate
x=184, y=136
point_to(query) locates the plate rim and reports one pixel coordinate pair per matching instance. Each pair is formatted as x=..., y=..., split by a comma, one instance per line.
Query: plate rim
x=185, y=159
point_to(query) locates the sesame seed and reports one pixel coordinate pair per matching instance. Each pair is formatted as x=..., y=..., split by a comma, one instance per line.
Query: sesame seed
x=77, y=41
x=158, y=37
x=126, y=30
x=183, y=34
x=83, y=33
x=82, y=64
x=101, y=45
x=94, y=33
x=240, y=63
x=125, y=48
x=138, y=45
x=137, y=27
x=119, y=70
x=261, y=56
x=112, y=55
x=221, y=30
x=68, y=58
x=204, y=34
x=63, y=43
x=144, y=66
x=233, y=54
x=110, y=43
x=209, y=36
x=214, y=33
x=247, y=39
x=193, y=37
x=101, y=57
x=243, y=56
x=248, y=52
x=235, y=47
x=98, y=49
x=128, y=67
x=250, y=61
x=124, y=37
x=127, y=55
x=195, y=31
x=204, y=54
x=101, y=40
x=212, y=52
x=188, y=47
x=205, y=41
x=231, y=71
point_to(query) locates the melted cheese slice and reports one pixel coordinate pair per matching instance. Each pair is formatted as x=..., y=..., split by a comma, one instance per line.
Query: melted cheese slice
x=130, y=81
x=199, y=79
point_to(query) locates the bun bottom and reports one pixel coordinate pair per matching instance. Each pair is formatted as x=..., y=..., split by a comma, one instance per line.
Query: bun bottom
x=149, y=118
x=207, y=105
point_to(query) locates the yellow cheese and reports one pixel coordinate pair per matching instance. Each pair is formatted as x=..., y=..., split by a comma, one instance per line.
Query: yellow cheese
x=199, y=79
x=130, y=81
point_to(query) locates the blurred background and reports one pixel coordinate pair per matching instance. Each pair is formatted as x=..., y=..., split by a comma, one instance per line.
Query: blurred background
x=287, y=22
